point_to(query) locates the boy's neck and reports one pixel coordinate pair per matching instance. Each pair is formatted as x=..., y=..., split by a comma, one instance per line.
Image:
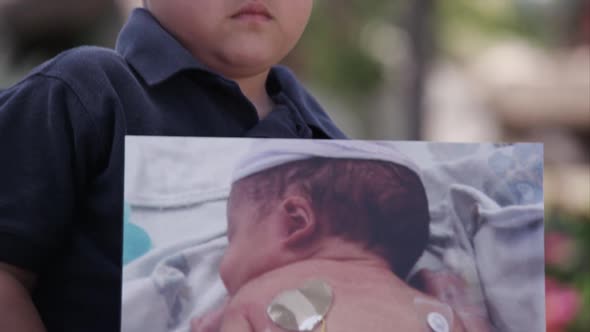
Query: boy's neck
x=254, y=88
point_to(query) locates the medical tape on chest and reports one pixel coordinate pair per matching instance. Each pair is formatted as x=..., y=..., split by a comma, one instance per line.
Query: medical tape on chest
x=302, y=309
x=437, y=316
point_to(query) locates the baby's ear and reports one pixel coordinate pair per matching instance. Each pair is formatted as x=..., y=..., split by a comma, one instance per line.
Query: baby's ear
x=299, y=223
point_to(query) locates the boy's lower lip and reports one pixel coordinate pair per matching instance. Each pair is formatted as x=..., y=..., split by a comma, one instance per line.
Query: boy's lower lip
x=252, y=17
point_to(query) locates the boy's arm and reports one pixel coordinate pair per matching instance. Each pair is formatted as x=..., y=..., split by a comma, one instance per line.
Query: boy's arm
x=42, y=126
x=16, y=305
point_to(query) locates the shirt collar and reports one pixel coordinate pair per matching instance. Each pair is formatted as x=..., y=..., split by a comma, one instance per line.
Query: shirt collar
x=157, y=56
x=307, y=106
x=151, y=50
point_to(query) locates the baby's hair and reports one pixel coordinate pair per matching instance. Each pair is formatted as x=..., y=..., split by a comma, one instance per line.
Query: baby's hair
x=376, y=203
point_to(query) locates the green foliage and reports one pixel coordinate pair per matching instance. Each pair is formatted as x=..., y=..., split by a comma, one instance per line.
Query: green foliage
x=468, y=26
x=331, y=51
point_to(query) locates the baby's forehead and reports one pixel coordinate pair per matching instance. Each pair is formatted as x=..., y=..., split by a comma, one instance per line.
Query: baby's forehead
x=240, y=201
x=237, y=194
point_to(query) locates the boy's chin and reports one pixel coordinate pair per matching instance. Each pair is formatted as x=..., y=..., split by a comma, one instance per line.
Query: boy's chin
x=244, y=63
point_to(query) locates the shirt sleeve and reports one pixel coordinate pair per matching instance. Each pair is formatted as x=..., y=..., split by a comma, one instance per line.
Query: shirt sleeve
x=45, y=133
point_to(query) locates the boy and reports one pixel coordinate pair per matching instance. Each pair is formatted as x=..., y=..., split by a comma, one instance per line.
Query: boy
x=180, y=68
x=354, y=216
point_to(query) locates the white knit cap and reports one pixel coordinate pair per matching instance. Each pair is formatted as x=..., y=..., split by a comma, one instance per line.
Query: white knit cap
x=269, y=153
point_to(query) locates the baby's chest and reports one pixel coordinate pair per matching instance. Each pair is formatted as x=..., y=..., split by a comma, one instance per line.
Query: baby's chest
x=289, y=310
x=288, y=306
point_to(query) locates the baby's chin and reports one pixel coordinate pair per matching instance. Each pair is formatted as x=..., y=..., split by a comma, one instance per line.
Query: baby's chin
x=233, y=282
x=234, y=287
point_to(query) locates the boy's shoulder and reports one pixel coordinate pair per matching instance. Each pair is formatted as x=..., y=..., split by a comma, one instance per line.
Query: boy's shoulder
x=85, y=65
x=88, y=75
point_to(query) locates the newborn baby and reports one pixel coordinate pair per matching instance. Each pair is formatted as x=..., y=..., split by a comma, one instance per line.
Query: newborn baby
x=354, y=225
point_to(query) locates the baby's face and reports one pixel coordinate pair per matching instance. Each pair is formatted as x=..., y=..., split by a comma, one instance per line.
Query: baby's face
x=235, y=37
x=252, y=243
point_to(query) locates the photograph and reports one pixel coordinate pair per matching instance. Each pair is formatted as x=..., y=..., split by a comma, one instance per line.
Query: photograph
x=486, y=80
x=265, y=235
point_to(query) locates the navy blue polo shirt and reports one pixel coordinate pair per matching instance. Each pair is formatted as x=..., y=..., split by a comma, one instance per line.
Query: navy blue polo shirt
x=62, y=130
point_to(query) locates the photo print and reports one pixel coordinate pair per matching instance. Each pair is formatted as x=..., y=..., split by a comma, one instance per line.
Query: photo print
x=270, y=235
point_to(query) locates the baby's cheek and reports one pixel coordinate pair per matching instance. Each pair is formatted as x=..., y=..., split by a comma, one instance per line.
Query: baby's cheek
x=225, y=268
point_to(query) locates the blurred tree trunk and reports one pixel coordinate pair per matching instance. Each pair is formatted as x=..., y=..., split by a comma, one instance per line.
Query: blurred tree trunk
x=420, y=26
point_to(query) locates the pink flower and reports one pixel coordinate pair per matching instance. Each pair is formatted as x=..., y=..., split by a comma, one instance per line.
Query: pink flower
x=562, y=304
x=560, y=250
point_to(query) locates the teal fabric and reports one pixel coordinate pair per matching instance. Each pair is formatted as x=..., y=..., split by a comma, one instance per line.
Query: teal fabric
x=136, y=241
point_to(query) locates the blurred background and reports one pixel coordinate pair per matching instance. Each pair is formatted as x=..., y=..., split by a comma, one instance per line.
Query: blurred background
x=453, y=70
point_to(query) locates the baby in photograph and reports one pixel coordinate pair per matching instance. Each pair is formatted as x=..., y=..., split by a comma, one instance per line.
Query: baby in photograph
x=335, y=226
